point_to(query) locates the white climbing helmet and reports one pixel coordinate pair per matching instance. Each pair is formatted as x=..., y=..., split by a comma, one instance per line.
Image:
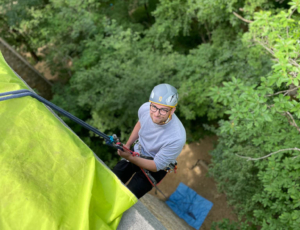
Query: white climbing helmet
x=164, y=94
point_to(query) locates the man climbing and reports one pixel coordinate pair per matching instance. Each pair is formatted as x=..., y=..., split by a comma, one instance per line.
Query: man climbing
x=161, y=137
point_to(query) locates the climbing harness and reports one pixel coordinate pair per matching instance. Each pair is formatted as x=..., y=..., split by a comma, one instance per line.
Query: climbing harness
x=109, y=140
x=171, y=168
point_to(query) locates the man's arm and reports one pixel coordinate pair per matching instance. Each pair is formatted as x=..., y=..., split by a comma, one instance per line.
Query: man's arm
x=134, y=135
x=141, y=162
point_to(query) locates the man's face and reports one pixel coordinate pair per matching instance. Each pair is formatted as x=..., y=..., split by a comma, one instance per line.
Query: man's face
x=160, y=113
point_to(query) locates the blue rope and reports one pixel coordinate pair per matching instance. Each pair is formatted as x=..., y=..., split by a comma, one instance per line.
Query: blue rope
x=24, y=92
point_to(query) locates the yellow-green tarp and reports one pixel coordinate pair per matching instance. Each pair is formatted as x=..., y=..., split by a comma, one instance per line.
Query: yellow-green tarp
x=49, y=179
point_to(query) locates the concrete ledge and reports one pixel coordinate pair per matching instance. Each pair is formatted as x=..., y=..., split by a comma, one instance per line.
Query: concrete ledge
x=139, y=217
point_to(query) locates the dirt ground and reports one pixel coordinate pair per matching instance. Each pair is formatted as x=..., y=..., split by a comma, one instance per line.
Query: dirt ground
x=197, y=180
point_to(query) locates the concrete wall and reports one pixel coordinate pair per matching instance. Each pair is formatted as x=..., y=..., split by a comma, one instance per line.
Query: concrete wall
x=31, y=76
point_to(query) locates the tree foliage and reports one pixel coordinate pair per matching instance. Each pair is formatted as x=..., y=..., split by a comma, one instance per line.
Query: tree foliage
x=110, y=54
x=257, y=159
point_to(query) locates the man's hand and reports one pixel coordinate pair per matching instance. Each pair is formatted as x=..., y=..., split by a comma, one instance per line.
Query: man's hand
x=143, y=163
x=125, y=154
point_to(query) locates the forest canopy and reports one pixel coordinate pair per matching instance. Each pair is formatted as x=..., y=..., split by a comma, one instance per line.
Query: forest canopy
x=235, y=64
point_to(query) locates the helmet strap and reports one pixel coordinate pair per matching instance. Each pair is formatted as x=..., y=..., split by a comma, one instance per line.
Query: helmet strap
x=167, y=119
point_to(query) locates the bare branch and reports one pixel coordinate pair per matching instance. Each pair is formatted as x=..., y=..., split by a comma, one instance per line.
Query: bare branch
x=255, y=159
x=267, y=48
x=203, y=38
x=240, y=17
x=284, y=91
x=291, y=61
x=292, y=12
x=289, y=117
x=292, y=92
x=208, y=32
x=292, y=121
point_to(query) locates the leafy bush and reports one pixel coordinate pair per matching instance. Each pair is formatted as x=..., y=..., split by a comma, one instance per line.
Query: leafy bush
x=256, y=162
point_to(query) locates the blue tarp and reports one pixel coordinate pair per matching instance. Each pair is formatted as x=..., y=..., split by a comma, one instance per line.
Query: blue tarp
x=190, y=206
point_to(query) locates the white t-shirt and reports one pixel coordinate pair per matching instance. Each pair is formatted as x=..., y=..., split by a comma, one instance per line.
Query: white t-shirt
x=162, y=142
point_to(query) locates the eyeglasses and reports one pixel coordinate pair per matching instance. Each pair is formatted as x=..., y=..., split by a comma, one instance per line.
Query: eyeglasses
x=162, y=111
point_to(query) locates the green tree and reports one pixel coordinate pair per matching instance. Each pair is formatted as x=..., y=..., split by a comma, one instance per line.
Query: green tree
x=109, y=55
x=12, y=14
x=256, y=162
